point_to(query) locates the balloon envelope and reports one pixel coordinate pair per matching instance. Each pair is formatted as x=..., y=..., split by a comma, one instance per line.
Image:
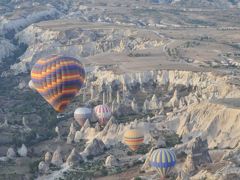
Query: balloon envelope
x=163, y=160
x=58, y=79
x=102, y=113
x=133, y=138
x=81, y=114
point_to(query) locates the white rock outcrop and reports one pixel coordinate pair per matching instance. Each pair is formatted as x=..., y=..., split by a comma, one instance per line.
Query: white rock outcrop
x=11, y=154
x=111, y=161
x=57, y=158
x=43, y=167
x=47, y=157
x=71, y=135
x=74, y=158
x=22, y=151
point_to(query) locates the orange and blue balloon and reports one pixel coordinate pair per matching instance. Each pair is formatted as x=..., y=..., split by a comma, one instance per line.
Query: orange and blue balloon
x=58, y=79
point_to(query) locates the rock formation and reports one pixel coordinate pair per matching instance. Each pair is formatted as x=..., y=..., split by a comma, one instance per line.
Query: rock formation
x=189, y=166
x=109, y=94
x=78, y=136
x=57, y=159
x=174, y=101
x=97, y=127
x=43, y=167
x=111, y=161
x=95, y=147
x=233, y=156
x=146, y=164
x=5, y=124
x=200, y=154
x=74, y=158
x=11, y=154
x=22, y=151
x=26, y=127
x=161, y=142
x=118, y=97
x=58, y=133
x=114, y=105
x=86, y=125
x=48, y=157
x=71, y=135
x=104, y=98
x=84, y=95
x=146, y=106
x=134, y=106
x=154, y=103
x=92, y=92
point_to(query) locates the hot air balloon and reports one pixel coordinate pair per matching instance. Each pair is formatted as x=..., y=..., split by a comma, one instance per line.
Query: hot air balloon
x=82, y=114
x=133, y=138
x=102, y=113
x=163, y=160
x=31, y=85
x=58, y=79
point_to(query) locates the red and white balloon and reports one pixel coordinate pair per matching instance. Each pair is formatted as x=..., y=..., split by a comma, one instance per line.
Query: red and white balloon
x=102, y=113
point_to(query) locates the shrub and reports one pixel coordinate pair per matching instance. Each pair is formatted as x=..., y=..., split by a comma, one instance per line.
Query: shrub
x=104, y=172
x=129, y=153
x=137, y=178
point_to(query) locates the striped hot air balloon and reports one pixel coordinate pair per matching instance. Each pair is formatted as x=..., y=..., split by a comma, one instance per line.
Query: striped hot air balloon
x=163, y=160
x=81, y=114
x=133, y=138
x=58, y=79
x=102, y=113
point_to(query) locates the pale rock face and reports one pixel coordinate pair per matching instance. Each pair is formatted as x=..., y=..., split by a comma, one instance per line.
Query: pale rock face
x=109, y=94
x=214, y=121
x=182, y=176
x=86, y=125
x=6, y=49
x=154, y=103
x=174, y=102
x=104, y=98
x=74, y=158
x=78, y=136
x=71, y=134
x=22, y=85
x=95, y=147
x=58, y=133
x=118, y=97
x=182, y=102
x=48, y=157
x=189, y=167
x=134, y=106
x=11, y=154
x=114, y=106
x=16, y=24
x=161, y=142
x=43, y=167
x=22, y=151
x=57, y=159
x=97, y=127
x=93, y=93
x=111, y=161
x=5, y=124
x=146, y=105
x=165, y=78
x=24, y=122
x=233, y=156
